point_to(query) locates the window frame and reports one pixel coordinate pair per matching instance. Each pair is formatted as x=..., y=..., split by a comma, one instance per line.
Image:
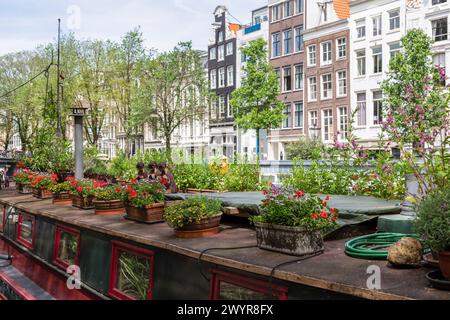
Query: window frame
x=302, y=6
x=296, y=104
x=310, y=91
x=338, y=48
x=364, y=65
x=302, y=77
x=298, y=35
x=23, y=242
x=221, y=49
x=375, y=65
x=145, y=253
x=329, y=125
x=260, y=286
x=379, y=119
x=322, y=87
x=230, y=67
x=329, y=53
x=285, y=77
x=360, y=120
x=2, y=220
x=213, y=49
x=341, y=124
x=361, y=26
x=396, y=19
x=310, y=64
x=443, y=36
x=220, y=85
x=279, y=46
x=227, y=46
x=287, y=122
x=287, y=42
x=314, y=124
x=56, y=260
x=338, y=87
x=377, y=25
x=213, y=84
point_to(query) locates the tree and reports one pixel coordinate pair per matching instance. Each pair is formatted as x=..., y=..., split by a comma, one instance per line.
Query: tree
x=173, y=90
x=255, y=104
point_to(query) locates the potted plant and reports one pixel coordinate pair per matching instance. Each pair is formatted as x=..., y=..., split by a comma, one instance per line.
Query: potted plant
x=23, y=181
x=40, y=186
x=433, y=226
x=63, y=162
x=293, y=222
x=61, y=193
x=82, y=194
x=195, y=217
x=109, y=201
x=144, y=202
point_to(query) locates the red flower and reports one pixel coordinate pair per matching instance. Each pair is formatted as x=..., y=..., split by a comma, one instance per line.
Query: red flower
x=133, y=181
x=299, y=194
x=314, y=216
x=164, y=181
x=130, y=189
x=333, y=219
x=327, y=198
x=74, y=184
x=333, y=211
x=80, y=189
x=323, y=214
x=324, y=203
x=133, y=195
x=118, y=189
x=20, y=164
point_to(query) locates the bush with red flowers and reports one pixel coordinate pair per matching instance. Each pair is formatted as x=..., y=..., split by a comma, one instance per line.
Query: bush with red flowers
x=143, y=194
x=24, y=177
x=289, y=208
x=43, y=182
x=109, y=193
x=83, y=188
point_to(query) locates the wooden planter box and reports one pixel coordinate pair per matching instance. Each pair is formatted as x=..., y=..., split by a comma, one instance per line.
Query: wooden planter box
x=150, y=214
x=42, y=193
x=203, y=228
x=109, y=208
x=62, y=198
x=84, y=203
x=290, y=240
x=24, y=188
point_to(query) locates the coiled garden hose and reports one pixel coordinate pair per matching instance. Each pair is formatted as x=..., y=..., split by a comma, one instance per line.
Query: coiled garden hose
x=373, y=246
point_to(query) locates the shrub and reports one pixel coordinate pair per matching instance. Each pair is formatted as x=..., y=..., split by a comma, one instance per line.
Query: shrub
x=109, y=193
x=60, y=187
x=143, y=194
x=24, y=177
x=43, y=181
x=305, y=149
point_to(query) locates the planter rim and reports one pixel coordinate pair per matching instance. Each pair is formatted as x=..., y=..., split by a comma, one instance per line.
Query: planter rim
x=199, y=222
x=155, y=205
x=281, y=227
x=106, y=201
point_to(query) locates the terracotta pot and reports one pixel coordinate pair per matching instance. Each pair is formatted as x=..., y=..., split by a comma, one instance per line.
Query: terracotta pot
x=290, y=240
x=62, y=198
x=444, y=264
x=24, y=188
x=205, y=227
x=109, y=208
x=42, y=193
x=84, y=203
x=150, y=214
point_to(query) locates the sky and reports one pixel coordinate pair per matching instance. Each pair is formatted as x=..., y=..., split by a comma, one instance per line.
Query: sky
x=25, y=24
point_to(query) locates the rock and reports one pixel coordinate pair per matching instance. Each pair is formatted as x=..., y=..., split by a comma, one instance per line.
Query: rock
x=407, y=251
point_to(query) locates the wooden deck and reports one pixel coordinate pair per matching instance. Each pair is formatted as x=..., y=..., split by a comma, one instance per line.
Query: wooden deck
x=332, y=270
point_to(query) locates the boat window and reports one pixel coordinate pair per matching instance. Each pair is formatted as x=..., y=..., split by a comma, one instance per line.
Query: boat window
x=66, y=247
x=25, y=230
x=131, y=276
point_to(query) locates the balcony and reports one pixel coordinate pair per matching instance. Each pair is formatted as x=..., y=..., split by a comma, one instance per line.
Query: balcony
x=253, y=28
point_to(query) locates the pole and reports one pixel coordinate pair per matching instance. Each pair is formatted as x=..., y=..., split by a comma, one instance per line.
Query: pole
x=58, y=98
x=79, y=174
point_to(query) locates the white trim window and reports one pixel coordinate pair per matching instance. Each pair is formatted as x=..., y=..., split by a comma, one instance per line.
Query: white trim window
x=394, y=19
x=276, y=12
x=377, y=107
x=276, y=44
x=287, y=39
x=377, y=55
x=361, y=29
x=327, y=116
x=313, y=125
x=326, y=57
x=361, y=62
x=312, y=55
x=230, y=76
x=288, y=116
x=361, y=106
x=299, y=6
x=288, y=8
x=287, y=78
x=312, y=89
x=222, y=105
x=221, y=53
x=342, y=83
x=377, y=24
x=213, y=78
x=327, y=86
x=229, y=107
x=230, y=48
x=394, y=48
x=221, y=77
x=298, y=77
x=298, y=121
x=343, y=123
x=341, y=45
x=212, y=53
x=440, y=29
x=299, y=39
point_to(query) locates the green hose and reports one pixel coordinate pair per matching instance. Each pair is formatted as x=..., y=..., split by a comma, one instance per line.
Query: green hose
x=371, y=246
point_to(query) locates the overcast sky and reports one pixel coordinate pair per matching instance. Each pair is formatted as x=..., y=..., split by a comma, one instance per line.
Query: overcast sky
x=24, y=24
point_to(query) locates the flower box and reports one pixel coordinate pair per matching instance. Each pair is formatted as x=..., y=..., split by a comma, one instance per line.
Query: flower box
x=109, y=208
x=203, y=228
x=84, y=203
x=296, y=241
x=24, y=188
x=62, y=198
x=42, y=193
x=149, y=214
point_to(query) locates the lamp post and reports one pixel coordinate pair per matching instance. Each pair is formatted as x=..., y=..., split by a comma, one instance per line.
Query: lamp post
x=78, y=113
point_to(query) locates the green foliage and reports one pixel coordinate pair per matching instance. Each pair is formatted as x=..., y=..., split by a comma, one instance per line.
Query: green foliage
x=84, y=188
x=242, y=177
x=305, y=149
x=134, y=276
x=60, y=187
x=284, y=207
x=122, y=168
x=62, y=158
x=143, y=194
x=24, y=177
x=43, y=182
x=109, y=193
x=433, y=220
x=192, y=210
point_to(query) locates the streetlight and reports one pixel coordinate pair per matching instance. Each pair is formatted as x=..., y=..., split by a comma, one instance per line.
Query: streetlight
x=78, y=113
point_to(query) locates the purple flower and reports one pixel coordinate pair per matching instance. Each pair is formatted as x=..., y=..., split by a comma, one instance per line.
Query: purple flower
x=420, y=110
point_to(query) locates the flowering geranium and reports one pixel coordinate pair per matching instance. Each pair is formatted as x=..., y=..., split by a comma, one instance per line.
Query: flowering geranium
x=285, y=207
x=143, y=194
x=83, y=188
x=24, y=177
x=60, y=187
x=41, y=182
x=109, y=193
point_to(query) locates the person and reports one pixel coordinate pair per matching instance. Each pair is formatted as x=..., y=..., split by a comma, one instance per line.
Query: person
x=1, y=178
x=6, y=179
x=141, y=171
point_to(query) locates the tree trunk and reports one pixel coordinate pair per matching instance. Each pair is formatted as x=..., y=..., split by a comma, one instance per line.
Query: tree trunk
x=168, y=148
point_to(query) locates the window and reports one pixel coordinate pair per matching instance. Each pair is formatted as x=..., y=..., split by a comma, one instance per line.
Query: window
x=394, y=19
x=377, y=55
x=312, y=89
x=394, y=48
x=342, y=83
x=131, y=274
x=298, y=123
x=221, y=77
x=361, y=29
x=434, y=2
x=341, y=48
x=343, y=123
x=298, y=38
x=276, y=45
x=326, y=53
x=230, y=48
x=213, y=79
x=220, y=36
x=221, y=53
x=212, y=54
x=222, y=105
x=230, y=76
x=361, y=62
x=327, y=86
x=25, y=230
x=327, y=124
x=377, y=108
x=214, y=109
x=440, y=29
x=287, y=79
x=287, y=116
x=299, y=6
x=312, y=55
x=361, y=108
x=276, y=12
x=287, y=41
x=299, y=77
x=288, y=8
x=376, y=22
x=313, y=125
x=67, y=247
x=230, y=286
x=229, y=107
x=439, y=60
x=278, y=73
